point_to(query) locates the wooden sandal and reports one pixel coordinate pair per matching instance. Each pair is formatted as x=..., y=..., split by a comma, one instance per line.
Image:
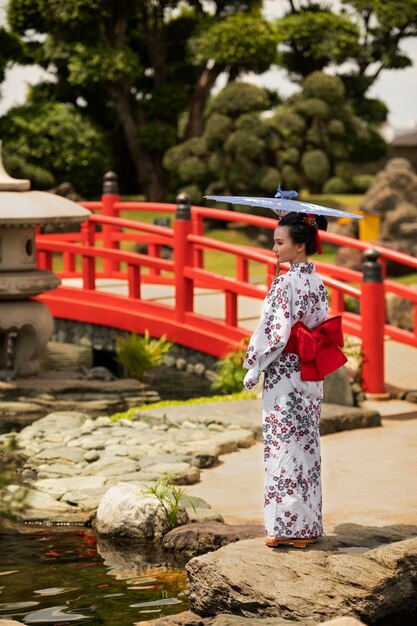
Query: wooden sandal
x=273, y=542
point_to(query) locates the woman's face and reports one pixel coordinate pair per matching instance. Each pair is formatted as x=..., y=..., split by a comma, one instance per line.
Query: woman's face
x=285, y=249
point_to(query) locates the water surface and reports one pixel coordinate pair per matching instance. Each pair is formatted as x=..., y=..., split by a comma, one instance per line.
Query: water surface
x=73, y=577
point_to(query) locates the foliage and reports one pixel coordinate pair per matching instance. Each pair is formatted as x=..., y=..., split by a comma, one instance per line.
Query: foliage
x=316, y=166
x=169, y=497
x=137, y=354
x=240, y=40
x=53, y=143
x=141, y=71
x=336, y=184
x=314, y=139
x=361, y=40
x=9, y=49
x=320, y=137
x=362, y=182
x=313, y=39
x=229, y=370
x=19, y=168
x=239, y=97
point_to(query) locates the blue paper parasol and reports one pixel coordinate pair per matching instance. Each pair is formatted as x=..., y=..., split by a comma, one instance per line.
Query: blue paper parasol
x=281, y=205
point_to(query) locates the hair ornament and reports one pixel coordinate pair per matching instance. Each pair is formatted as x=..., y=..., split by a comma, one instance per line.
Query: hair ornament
x=310, y=220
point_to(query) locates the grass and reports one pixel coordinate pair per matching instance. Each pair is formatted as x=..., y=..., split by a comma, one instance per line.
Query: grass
x=410, y=279
x=130, y=413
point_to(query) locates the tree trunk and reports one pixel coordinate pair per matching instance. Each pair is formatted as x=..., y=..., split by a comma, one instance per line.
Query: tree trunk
x=148, y=169
x=196, y=124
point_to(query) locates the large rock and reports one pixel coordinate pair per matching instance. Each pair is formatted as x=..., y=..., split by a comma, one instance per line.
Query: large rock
x=340, y=575
x=199, y=538
x=337, y=388
x=188, y=618
x=400, y=312
x=125, y=511
x=335, y=418
x=393, y=195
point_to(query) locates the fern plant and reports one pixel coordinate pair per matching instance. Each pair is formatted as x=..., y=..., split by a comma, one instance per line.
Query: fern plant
x=169, y=497
x=137, y=354
x=229, y=371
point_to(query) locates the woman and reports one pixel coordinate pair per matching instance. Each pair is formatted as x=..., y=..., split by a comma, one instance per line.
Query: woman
x=291, y=405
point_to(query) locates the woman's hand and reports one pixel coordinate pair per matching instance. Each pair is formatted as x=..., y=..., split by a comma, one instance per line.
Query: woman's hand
x=251, y=379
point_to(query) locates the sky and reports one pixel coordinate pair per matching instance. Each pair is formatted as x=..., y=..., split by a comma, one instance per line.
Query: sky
x=398, y=89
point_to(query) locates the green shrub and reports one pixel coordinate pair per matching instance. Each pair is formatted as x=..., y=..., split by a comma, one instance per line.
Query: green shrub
x=362, y=182
x=57, y=138
x=325, y=87
x=287, y=123
x=291, y=155
x=138, y=354
x=313, y=107
x=229, y=370
x=217, y=128
x=192, y=169
x=17, y=167
x=269, y=179
x=335, y=184
x=336, y=127
x=344, y=169
x=244, y=144
x=239, y=97
x=290, y=177
x=316, y=166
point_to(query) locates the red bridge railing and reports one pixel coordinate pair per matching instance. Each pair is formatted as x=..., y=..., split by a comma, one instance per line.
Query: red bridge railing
x=96, y=253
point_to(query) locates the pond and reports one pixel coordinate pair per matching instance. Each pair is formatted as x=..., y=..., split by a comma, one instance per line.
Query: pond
x=74, y=577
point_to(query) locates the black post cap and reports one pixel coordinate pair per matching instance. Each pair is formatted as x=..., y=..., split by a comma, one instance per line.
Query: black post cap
x=183, y=212
x=110, y=184
x=372, y=270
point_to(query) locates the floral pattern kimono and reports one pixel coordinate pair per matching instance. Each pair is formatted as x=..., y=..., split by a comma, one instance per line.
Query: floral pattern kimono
x=291, y=406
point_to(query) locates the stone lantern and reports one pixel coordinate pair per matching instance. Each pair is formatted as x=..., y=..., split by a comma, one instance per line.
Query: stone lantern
x=20, y=211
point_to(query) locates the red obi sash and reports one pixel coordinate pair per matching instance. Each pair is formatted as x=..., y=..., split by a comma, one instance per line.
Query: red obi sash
x=318, y=348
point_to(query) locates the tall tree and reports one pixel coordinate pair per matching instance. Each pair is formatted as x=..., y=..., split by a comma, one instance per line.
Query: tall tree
x=9, y=49
x=312, y=140
x=145, y=67
x=366, y=33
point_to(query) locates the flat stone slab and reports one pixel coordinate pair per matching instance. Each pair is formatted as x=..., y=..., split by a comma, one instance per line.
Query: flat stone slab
x=364, y=573
x=199, y=538
x=246, y=414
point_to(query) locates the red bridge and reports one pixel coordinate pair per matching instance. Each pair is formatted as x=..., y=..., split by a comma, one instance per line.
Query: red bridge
x=94, y=257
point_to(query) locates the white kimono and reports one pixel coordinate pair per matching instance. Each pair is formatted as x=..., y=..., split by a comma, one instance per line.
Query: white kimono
x=291, y=407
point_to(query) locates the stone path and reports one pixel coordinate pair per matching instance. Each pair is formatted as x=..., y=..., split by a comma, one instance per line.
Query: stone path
x=369, y=477
x=71, y=460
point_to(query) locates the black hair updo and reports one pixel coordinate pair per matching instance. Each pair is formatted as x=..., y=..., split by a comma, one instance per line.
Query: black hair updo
x=301, y=231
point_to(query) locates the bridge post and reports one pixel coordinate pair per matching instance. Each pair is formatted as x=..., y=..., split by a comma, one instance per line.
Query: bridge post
x=373, y=321
x=183, y=257
x=108, y=199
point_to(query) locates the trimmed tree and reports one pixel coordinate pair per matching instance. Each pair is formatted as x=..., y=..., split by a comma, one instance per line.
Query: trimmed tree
x=142, y=70
x=310, y=141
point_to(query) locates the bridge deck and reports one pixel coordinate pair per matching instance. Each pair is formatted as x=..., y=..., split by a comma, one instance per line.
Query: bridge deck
x=400, y=359
x=207, y=302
